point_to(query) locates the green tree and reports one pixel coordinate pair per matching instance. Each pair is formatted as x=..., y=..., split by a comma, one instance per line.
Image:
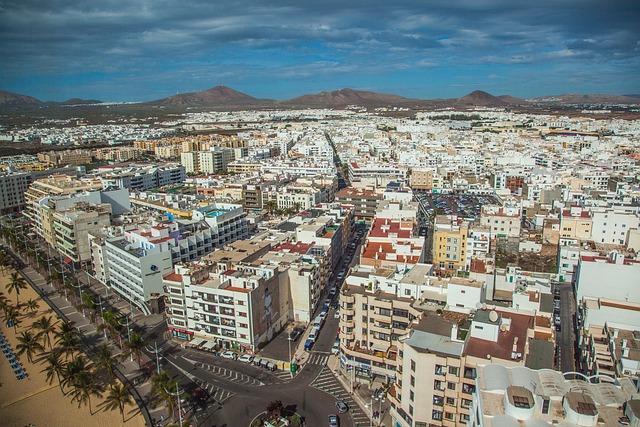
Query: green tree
x=32, y=305
x=135, y=345
x=16, y=283
x=105, y=361
x=118, y=396
x=11, y=316
x=85, y=385
x=28, y=344
x=45, y=328
x=54, y=368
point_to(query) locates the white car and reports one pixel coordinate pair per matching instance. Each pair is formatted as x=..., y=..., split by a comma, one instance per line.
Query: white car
x=337, y=314
x=336, y=348
x=229, y=355
x=246, y=358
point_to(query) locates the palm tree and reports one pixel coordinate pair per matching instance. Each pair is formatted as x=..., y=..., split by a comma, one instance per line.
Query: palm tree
x=118, y=397
x=28, y=343
x=45, y=328
x=135, y=344
x=5, y=260
x=89, y=304
x=4, y=303
x=68, y=343
x=11, y=316
x=32, y=305
x=161, y=384
x=67, y=338
x=72, y=370
x=84, y=386
x=104, y=360
x=55, y=366
x=15, y=284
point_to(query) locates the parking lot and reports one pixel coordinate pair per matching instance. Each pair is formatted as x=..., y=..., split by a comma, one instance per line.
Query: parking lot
x=462, y=204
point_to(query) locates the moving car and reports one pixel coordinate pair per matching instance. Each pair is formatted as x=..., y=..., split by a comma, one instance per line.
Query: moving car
x=341, y=406
x=334, y=421
x=336, y=347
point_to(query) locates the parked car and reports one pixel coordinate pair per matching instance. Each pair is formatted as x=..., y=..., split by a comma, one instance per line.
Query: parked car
x=341, y=406
x=246, y=358
x=337, y=314
x=271, y=366
x=295, y=334
x=336, y=347
x=334, y=421
x=229, y=355
x=257, y=361
x=308, y=344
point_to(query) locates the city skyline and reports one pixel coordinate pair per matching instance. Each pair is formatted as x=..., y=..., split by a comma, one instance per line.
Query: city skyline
x=141, y=51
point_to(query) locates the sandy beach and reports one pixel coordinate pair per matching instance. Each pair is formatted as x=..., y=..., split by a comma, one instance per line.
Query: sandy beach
x=32, y=401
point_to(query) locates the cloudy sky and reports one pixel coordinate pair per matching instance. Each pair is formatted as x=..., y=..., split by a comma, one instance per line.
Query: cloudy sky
x=140, y=50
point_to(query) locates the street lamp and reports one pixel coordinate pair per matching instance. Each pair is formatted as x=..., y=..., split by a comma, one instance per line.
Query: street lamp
x=102, y=315
x=380, y=400
x=289, y=341
x=156, y=351
x=79, y=288
x=177, y=394
x=128, y=334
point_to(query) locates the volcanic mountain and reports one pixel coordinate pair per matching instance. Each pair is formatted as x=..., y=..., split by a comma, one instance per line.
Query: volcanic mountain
x=479, y=98
x=14, y=100
x=344, y=97
x=574, y=98
x=217, y=96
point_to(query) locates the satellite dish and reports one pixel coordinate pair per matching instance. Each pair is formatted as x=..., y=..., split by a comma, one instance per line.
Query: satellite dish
x=493, y=316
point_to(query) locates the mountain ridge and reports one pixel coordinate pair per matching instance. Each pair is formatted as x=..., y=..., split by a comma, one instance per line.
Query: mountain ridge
x=222, y=96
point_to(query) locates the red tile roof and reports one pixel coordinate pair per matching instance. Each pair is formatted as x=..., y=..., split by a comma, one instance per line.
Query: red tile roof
x=381, y=227
x=173, y=277
x=299, y=248
x=384, y=249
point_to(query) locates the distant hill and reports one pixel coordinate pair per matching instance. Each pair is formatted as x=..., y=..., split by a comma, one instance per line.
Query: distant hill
x=574, y=98
x=217, y=96
x=512, y=100
x=479, y=98
x=78, y=101
x=10, y=100
x=345, y=97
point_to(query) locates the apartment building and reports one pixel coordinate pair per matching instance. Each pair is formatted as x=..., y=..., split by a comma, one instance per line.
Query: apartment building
x=119, y=154
x=502, y=221
x=450, y=245
x=66, y=157
x=510, y=396
x=576, y=224
x=613, y=225
x=72, y=225
x=612, y=350
x=13, y=185
x=141, y=177
x=236, y=309
x=422, y=179
x=364, y=202
x=439, y=357
x=38, y=211
x=615, y=270
x=371, y=323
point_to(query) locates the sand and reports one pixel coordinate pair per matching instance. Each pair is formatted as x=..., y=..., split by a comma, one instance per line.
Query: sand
x=32, y=400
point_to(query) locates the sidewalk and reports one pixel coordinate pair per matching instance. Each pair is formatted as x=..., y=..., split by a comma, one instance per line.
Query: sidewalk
x=362, y=395
x=90, y=336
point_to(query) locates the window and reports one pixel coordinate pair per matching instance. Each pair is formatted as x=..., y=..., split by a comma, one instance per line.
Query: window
x=438, y=400
x=464, y=418
x=413, y=381
x=411, y=410
x=413, y=365
x=453, y=370
x=364, y=306
x=411, y=395
x=451, y=401
x=436, y=415
x=407, y=292
x=451, y=385
x=449, y=416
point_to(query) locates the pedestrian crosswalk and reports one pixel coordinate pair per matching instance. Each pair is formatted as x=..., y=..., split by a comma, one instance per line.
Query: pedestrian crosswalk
x=282, y=374
x=218, y=394
x=327, y=382
x=229, y=374
x=318, y=359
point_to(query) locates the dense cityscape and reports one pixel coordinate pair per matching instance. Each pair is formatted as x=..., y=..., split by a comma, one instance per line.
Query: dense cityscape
x=387, y=266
